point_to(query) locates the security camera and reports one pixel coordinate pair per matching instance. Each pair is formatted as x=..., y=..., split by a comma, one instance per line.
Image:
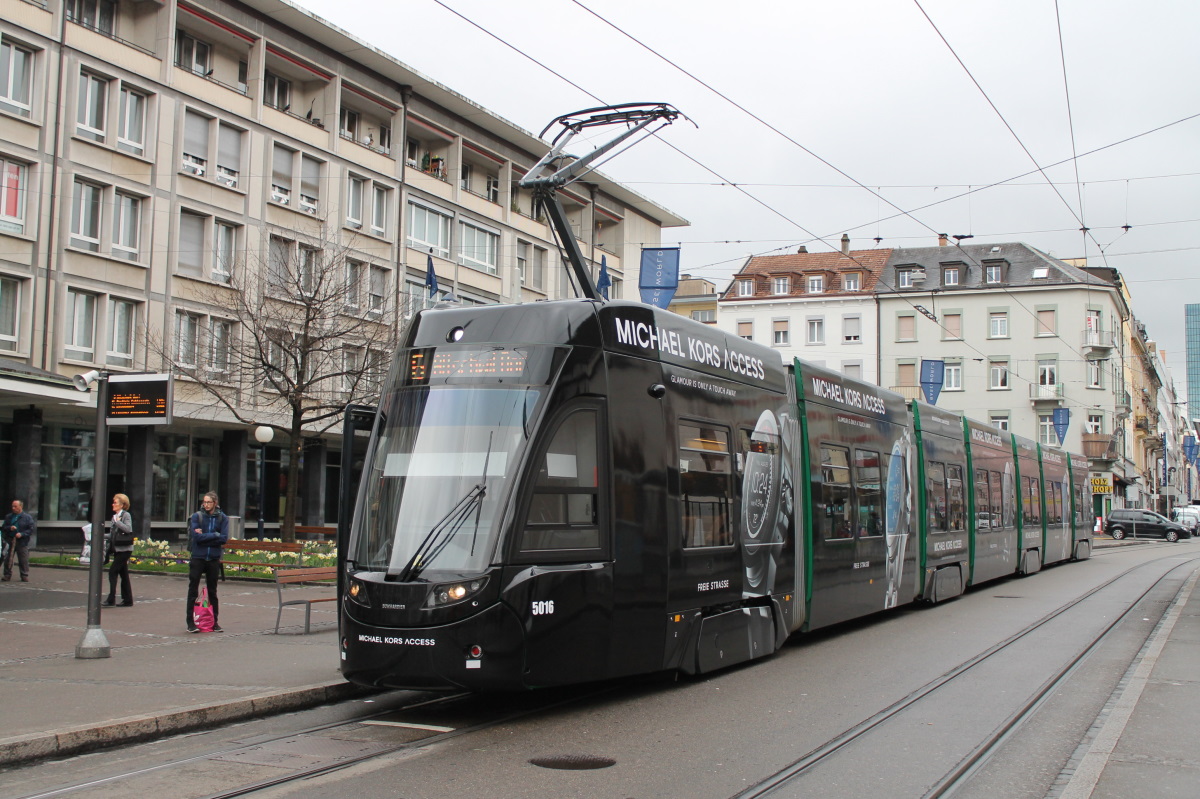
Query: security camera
x=84, y=381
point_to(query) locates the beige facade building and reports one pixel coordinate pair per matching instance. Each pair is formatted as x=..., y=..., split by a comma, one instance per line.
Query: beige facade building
x=153, y=152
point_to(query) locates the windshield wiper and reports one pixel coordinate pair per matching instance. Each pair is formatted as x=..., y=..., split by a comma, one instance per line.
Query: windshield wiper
x=440, y=534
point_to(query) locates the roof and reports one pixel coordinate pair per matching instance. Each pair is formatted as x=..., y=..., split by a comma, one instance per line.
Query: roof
x=1021, y=260
x=868, y=263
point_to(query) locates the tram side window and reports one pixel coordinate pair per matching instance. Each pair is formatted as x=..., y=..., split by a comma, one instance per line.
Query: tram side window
x=1054, y=512
x=1079, y=508
x=983, y=514
x=562, y=510
x=935, y=496
x=867, y=476
x=704, y=485
x=834, y=510
x=955, y=498
x=1001, y=499
x=1031, y=503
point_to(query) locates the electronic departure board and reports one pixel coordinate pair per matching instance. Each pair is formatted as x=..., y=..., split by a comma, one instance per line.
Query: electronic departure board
x=139, y=399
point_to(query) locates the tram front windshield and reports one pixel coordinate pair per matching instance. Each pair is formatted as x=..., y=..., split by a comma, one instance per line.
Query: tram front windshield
x=445, y=452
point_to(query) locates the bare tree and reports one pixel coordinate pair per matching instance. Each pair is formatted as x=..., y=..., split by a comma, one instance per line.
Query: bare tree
x=293, y=336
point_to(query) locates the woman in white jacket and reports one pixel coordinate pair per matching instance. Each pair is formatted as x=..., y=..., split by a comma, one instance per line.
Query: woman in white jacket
x=122, y=546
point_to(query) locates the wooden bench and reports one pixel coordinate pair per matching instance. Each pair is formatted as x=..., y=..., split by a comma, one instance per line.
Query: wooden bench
x=307, y=575
x=254, y=545
x=317, y=532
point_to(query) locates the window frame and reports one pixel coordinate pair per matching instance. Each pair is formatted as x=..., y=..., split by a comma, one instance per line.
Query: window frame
x=91, y=106
x=469, y=236
x=13, y=199
x=11, y=285
x=79, y=329
x=955, y=383
x=443, y=221
x=113, y=355
x=998, y=324
x=999, y=375
x=814, y=284
x=91, y=217
x=814, y=328
x=855, y=277
x=10, y=102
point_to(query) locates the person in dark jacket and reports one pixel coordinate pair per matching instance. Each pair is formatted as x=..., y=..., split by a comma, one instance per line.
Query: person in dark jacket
x=208, y=530
x=18, y=530
x=122, y=548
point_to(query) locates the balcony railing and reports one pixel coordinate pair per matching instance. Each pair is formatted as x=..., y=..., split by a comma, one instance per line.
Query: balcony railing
x=1099, y=446
x=1040, y=393
x=1099, y=339
x=909, y=392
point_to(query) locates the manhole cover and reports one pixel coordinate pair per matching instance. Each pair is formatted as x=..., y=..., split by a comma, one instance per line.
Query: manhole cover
x=573, y=761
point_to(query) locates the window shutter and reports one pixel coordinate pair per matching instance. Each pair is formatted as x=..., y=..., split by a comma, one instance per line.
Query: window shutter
x=281, y=167
x=229, y=148
x=310, y=177
x=195, y=135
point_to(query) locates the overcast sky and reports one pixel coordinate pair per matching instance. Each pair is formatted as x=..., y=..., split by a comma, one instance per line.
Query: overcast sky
x=868, y=92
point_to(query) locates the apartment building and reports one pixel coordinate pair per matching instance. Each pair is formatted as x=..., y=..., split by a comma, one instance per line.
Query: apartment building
x=819, y=307
x=695, y=298
x=154, y=154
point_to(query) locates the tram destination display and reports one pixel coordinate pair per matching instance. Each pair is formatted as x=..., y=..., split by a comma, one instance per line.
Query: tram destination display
x=139, y=399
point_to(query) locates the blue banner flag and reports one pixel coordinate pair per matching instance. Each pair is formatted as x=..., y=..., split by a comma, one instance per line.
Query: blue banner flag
x=603, y=284
x=933, y=376
x=431, y=278
x=659, y=276
x=1189, y=448
x=1062, y=420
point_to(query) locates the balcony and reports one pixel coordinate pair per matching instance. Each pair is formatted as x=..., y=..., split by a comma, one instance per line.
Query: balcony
x=1124, y=405
x=1049, y=394
x=1098, y=344
x=909, y=392
x=1142, y=423
x=1099, y=447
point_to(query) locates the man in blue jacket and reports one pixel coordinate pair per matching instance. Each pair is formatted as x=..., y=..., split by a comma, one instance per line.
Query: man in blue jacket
x=18, y=530
x=208, y=530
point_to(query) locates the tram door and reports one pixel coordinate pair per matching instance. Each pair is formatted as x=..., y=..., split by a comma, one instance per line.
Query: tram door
x=709, y=573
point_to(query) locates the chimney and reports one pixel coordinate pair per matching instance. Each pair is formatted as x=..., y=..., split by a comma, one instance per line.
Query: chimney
x=801, y=249
x=943, y=239
x=845, y=244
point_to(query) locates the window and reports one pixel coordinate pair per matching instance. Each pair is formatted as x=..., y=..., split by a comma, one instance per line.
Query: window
x=229, y=155
x=706, y=315
x=224, y=251
x=1095, y=423
x=999, y=421
x=195, y=144
x=190, y=257
x=13, y=178
x=906, y=327
x=279, y=262
x=281, y=174
x=780, y=327
x=348, y=122
x=220, y=341
x=997, y=374
x=816, y=331
x=191, y=54
x=950, y=276
x=379, y=210
x=522, y=260
x=868, y=480
x=16, y=78
x=310, y=185
x=952, y=325
x=816, y=284
x=131, y=126
x=998, y=324
x=464, y=177
x=832, y=514
x=956, y=498
x=10, y=313
x=992, y=273
x=121, y=322
x=310, y=269
x=92, y=106
x=1047, y=372
x=85, y=217
x=564, y=505
x=1094, y=374
x=538, y=273
x=351, y=364
x=906, y=374
x=354, y=281
x=126, y=226
x=354, y=202
x=1031, y=504
x=378, y=289
x=704, y=487
x=187, y=339
x=852, y=281
x=80, y=331
x=953, y=377
x=479, y=247
x=1045, y=323
x=853, y=369
x=277, y=91
x=851, y=329
x=745, y=330
x=1040, y=272
x=904, y=279
x=781, y=285
x=745, y=288
x=935, y=497
x=429, y=229
x=99, y=15
x=1047, y=436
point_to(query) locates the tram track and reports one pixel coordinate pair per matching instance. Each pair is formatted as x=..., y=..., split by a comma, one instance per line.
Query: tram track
x=792, y=774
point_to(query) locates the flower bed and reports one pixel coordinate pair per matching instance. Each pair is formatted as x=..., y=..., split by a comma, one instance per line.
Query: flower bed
x=163, y=556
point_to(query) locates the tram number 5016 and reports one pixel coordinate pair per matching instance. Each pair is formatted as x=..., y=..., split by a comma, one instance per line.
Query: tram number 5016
x=543, y=607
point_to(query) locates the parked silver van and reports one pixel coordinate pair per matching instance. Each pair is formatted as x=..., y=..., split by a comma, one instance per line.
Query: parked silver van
x=1188, y=516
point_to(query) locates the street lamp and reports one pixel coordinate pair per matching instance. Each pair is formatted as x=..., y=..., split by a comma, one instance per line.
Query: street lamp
x=263, y=435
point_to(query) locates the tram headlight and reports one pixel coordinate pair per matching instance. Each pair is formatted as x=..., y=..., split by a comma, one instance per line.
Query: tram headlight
x=357, y=593
x=447, y=594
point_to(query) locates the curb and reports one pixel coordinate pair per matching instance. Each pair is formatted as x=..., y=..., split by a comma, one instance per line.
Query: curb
x=76, y=740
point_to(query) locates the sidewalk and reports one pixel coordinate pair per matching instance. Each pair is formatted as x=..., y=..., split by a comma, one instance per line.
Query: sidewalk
x=160, y=679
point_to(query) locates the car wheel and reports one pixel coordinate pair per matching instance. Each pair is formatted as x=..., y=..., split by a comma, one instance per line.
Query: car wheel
x=1118, y=533
x=1172, y=536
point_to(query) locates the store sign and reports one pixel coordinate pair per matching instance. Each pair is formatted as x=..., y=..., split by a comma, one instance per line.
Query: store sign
x=1101, y=485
